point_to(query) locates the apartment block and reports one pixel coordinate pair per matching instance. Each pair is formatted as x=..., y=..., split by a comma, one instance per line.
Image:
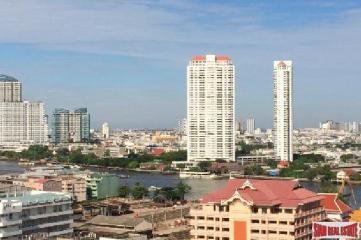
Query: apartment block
x=75, y=186
x=257, y=210
x=10, y=89
x=22, y=123
x=71, y=126
x=35, y=215
x=283, y=110
x=210, y=108
x=102, y=186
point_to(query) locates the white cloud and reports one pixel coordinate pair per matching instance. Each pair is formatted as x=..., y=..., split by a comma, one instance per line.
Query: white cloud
x=324, y=52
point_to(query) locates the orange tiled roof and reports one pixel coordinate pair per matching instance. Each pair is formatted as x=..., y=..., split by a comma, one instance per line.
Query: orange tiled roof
x=286, y=193
x=332, y=204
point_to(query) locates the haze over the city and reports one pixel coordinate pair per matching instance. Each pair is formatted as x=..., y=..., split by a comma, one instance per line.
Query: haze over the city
x=126, y=60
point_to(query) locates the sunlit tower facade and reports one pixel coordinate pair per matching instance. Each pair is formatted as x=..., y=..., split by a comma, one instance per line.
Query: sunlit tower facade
x=210, y=109
x=283, y=110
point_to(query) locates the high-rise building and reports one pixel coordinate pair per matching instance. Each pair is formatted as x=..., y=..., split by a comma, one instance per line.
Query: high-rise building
x=182, y=127
x=105, y=130
x=210, y=108
x=10, y=89
x=251, y=123
x=71, y=126
x=283, y=112
x=21, y=123
x=240, y=126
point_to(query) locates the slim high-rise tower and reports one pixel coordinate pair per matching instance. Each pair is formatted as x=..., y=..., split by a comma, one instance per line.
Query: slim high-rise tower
x=251, y=124
x=105, y=130
x=283, y=112
x=210, y=108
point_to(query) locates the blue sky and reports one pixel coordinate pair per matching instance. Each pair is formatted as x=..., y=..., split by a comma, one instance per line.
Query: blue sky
x=126, y=60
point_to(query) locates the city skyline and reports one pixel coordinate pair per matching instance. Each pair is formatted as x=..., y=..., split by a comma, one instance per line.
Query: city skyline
x=95, y=68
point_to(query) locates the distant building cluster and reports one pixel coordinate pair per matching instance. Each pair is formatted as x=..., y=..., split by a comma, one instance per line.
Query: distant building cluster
x=354, y=127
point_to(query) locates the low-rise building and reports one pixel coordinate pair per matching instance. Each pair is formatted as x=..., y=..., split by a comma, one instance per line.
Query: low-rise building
x=336, y=209
x=35, y=214
x=44, y=184
x=100, y=186
x=257, y=209
x=76, y=186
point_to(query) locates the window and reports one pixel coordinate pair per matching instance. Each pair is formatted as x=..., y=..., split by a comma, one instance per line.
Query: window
x=225, y=219
x=225, y=229
x=255, y=221
x=288, y=210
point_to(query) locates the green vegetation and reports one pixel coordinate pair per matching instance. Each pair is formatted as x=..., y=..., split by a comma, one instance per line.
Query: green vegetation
x=254, y=170
x=139, y=191
x=246, y=149
x=124, y=191
x=346, y=157
x=131, y=162
x=309, y=158
x=355, y=177
x=37, y=152
x=300, y=168
x=204, y=166
x=172, y=194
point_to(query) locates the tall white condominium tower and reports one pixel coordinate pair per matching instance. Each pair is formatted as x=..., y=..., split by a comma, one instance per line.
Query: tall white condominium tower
x=283, y=112
x=105, y=130
x=210, y=108
x=22, y=123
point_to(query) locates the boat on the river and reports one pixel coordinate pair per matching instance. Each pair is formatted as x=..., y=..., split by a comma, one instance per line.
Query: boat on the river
x=25, y=163
x=154, y=188
x=197, y=175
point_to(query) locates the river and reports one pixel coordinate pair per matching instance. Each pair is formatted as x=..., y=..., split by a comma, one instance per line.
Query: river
x=199, y=186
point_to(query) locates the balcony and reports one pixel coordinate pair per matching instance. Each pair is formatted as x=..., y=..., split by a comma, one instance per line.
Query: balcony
x=306, y=213
x=9, y=233
x=9, y=222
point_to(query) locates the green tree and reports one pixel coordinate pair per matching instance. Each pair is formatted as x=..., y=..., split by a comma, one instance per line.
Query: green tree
x=139, y=191
x=346, y=157
x=36, y=152
x=133, y=164
x=254, y=170
x=107, y=153
x=124, y=191
x=181, y=165
x=182, y=189
x=355, y=177
x=311, y=173
x=204, y=165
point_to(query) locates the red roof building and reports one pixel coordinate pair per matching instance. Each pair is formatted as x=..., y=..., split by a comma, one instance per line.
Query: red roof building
x=336, y=209
x=218, y=58
x=257, y=209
